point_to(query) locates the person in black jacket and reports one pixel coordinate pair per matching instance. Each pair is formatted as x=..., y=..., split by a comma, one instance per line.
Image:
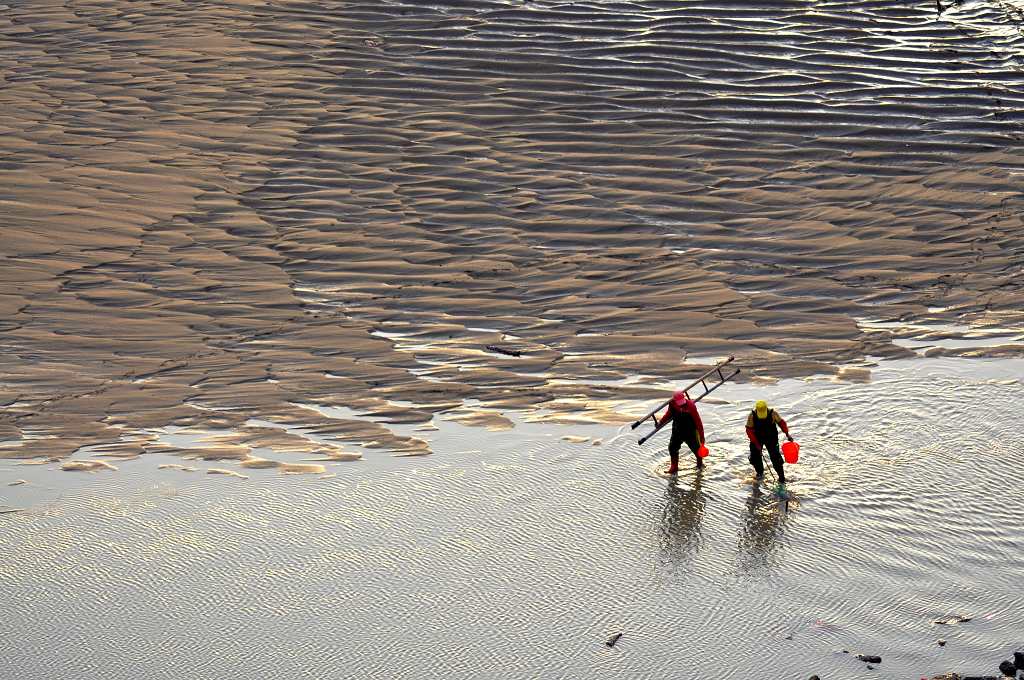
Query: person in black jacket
x=763, y=425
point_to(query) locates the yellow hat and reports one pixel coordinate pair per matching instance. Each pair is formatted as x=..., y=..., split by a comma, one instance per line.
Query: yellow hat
x=761, y=407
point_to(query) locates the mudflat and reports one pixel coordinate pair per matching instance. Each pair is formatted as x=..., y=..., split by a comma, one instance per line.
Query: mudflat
x=227, y=210
x=257, y=258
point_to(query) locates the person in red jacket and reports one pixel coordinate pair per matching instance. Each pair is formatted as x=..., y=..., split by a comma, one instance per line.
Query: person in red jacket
x=762, y=432
x=686, y=427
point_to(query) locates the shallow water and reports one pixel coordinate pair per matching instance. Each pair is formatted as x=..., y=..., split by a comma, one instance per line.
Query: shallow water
x=517, y=555
x=253, y=241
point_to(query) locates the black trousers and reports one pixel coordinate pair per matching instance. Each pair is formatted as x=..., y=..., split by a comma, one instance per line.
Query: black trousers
x=676, y=443
x=773, y=454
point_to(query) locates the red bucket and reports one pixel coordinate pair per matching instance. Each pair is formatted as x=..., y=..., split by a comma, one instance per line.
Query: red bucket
x=702, y=451
x=791, y=451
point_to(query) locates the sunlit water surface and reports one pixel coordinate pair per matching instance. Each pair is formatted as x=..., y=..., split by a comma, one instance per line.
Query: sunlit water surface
x=516, y=555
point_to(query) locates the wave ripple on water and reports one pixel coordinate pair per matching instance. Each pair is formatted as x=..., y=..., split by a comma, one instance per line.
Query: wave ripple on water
x=521, y=561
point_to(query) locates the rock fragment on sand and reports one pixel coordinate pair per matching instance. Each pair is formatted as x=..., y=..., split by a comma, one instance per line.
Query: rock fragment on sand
x=613, y=639
x=869, y=658
x=942, y=643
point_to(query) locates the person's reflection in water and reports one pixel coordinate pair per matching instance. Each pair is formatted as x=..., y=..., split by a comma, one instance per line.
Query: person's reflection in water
x=681, y=520
x=761, y=533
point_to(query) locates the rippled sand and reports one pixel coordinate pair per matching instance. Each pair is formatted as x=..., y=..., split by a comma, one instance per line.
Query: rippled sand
x=225, y=211
x=260, y=257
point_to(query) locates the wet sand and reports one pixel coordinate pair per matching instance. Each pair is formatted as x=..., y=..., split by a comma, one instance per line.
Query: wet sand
x=260, y=258
x=223, y=211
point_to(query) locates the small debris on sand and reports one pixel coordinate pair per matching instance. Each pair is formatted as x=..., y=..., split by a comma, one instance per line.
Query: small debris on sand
x=502, y=350
x=17, y=482
x=1009, y=669
x=613, y=639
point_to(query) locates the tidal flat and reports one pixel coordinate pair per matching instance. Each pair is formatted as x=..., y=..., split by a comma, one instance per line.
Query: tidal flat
x=322, y=324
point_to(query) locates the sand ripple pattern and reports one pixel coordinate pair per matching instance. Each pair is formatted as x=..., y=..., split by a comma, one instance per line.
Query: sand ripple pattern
x=220, y=210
